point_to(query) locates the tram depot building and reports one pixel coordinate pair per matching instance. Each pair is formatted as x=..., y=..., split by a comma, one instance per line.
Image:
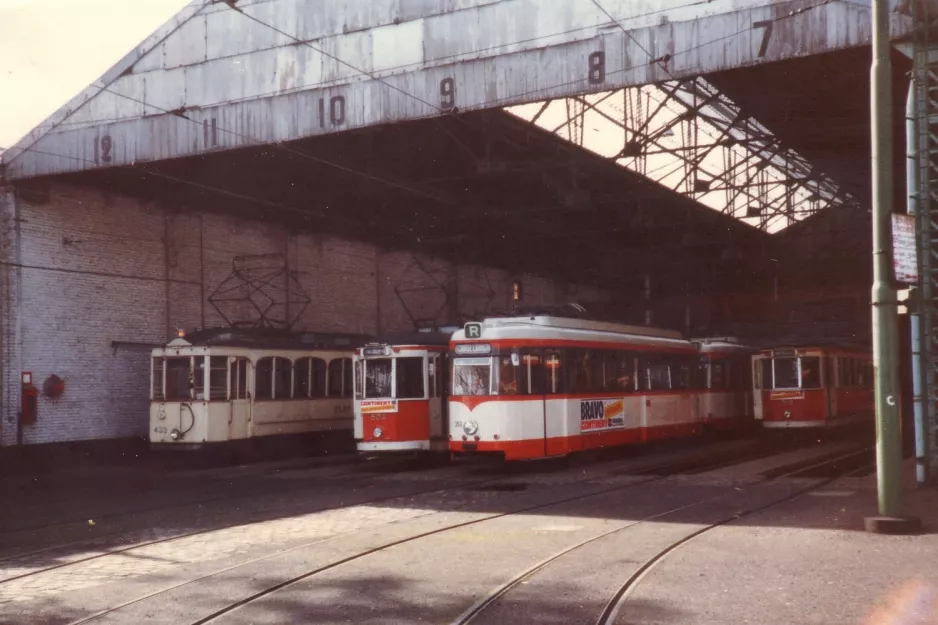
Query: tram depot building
x=114, y=236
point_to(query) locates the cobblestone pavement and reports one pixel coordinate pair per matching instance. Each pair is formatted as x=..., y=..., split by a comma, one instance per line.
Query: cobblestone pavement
x=327, y=504
x=214, y=545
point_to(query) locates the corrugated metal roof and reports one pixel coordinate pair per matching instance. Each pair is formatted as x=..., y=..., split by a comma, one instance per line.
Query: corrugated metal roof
x=216, y=78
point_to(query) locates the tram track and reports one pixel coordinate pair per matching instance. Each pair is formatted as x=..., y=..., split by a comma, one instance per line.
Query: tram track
x=610, y=612
x=670, y=467
x=265, y=491
x=611, y=609
x=727, y=459
x=213, y=528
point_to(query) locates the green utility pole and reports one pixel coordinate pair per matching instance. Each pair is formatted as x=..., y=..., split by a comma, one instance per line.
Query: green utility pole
x=885, y=301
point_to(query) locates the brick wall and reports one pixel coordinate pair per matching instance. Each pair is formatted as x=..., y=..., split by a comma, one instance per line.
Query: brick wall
x=90, y=269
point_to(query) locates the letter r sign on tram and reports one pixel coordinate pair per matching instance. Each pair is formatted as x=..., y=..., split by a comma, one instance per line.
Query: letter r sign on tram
x=473, y=330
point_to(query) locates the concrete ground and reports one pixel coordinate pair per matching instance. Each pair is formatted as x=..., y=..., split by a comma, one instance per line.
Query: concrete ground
x=553, y=543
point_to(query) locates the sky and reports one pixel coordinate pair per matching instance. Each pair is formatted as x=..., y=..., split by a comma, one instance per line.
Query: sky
x=52, y=49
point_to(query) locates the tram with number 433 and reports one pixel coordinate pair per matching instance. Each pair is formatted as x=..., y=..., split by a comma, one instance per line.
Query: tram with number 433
x=230, y=387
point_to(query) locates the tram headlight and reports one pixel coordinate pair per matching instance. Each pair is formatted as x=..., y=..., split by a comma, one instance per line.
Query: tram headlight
x=470, y=427
x=377, y=432
x=175, y=434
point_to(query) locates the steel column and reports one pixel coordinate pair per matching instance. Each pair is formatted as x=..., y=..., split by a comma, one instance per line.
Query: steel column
x=885, y=305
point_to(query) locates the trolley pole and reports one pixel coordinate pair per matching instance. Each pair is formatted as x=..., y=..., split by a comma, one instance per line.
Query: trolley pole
x=885, y=300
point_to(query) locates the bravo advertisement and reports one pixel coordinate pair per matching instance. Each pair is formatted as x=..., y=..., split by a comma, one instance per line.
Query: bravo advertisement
x=601, y=414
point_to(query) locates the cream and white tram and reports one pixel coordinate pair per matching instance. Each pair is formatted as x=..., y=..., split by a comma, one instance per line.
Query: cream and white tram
x=229, y=386
x=541, y=386
x=400, y=395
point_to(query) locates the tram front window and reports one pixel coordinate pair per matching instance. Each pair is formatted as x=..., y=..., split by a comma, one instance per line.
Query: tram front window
x=378, y=378
x=786, y=373
x=472, y=376
x=179, y=378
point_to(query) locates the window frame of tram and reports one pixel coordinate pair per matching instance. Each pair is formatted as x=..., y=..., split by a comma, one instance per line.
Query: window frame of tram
x=580, y=371
x=797, y=381
x=178, y=377
x=414, y=365
x=345, y=375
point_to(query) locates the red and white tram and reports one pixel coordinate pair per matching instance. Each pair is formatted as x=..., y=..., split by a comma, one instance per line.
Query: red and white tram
x=229, y=386
x=400, y=399
x=812, y=387
x=725, y=385
x=541, y=386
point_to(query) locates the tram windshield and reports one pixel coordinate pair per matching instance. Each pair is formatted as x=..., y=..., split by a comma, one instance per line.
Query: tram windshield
x=387, y=378
x=179, y=378
x=792, y=373
x=378, y=378
x=472, y=376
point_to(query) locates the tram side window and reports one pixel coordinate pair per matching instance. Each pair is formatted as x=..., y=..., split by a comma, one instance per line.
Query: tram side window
x=409, y=378
x=218, y=378
x=867, y=375
x=553, y=371
x=718, y=379
x=511, y=377
x=283, y=378
x=317, y=377
x=586, y=371
x=811, y=372
x=657, y=376
x=178, y=372
x=786, y=373
x=264, y=378
x=340, y=377
x=533, y=365
x=157, y=381
x=239, y=378
x=301, y=370
x=680, y=374
x=346, y=377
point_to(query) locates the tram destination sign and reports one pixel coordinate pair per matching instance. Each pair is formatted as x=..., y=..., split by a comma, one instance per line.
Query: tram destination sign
x=904, y=249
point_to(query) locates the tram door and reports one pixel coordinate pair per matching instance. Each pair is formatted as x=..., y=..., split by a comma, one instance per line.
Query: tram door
x=758, y=383
x=438, y=422
x=239, y=418
x=532, y=382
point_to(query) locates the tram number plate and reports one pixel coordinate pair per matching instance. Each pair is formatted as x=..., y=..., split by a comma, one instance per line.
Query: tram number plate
x=458, y=424
x=159, y=429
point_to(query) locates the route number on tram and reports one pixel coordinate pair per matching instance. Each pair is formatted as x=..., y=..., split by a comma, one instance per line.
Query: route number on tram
x=473, y=330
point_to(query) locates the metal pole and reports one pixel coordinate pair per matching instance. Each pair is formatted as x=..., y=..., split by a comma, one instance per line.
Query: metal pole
x=885, y=305
x=915, y=317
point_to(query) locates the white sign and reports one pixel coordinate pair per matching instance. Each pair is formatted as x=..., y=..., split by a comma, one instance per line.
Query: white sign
x=904, y=249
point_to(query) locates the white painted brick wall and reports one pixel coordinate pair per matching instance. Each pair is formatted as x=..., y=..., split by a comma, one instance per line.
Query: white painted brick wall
x=98, y=269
